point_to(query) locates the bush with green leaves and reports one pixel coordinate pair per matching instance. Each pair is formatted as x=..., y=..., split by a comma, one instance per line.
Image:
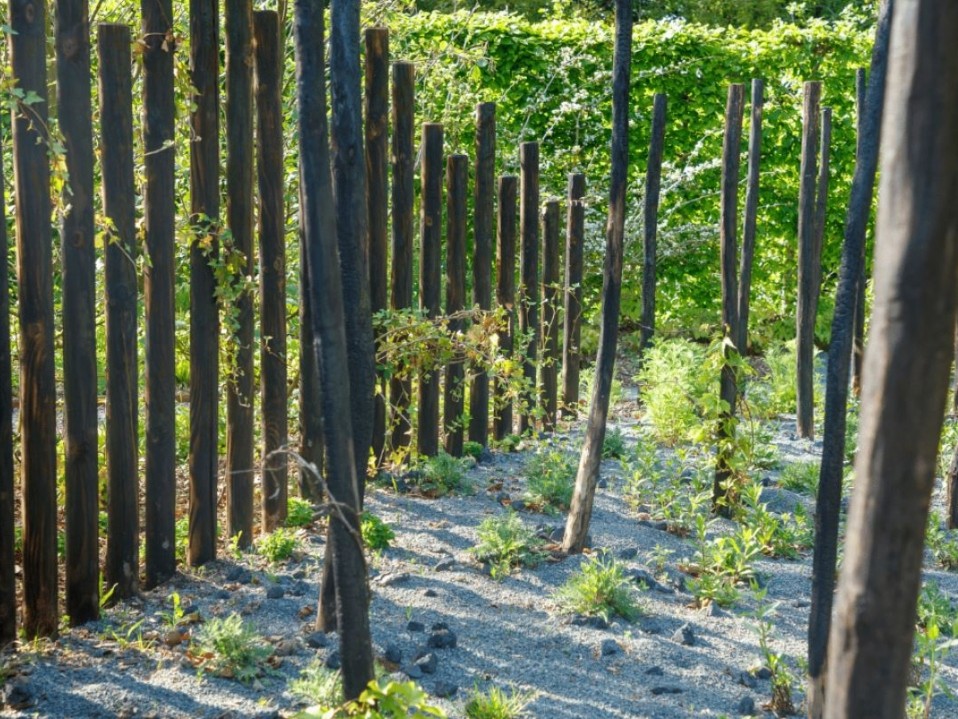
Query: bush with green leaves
x=278, y=545
x=299, y=512
x=941, y=542
x=773, y=392
x=670, y=385
x=440, y=475
x=801, y=477
x=599, y=589
x=376, y=533
x=613, y=446
x=472, y=449
x=550, y=479
x=382, y=699
x=497, y=703
x=318, y=685
x=229, y=647
x=505, y=543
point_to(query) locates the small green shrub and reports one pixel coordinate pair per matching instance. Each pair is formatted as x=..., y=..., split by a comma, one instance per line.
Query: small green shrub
x=775, y=393
x=389, y=700
x=509, y=443
x=376, y=533
x=550, y=481
x=801, y=477
x=472, y=449
x=181, y=537
x=229, y=647
x=504, y=543
x=943, y=543
x=599, y=588
x=613, y=447
x=497, y=704
x=277, y=546
x=318, y=685
x=440, y=475
x=299, y=512
x=669, y=382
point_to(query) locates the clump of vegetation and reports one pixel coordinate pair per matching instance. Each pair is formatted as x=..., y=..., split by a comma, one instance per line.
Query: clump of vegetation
x=389, y=700
x=229, y=647
x=721, y=564
x=472, y=449
x=942, y=543
x=801, y=477
x=505, y=543
x=666, y=491
x=509, y=443
x=496, y=703
x=299, y=512
x=550, y=481
x=600, y=589
x=786, y=535
x=318, y=685
x=613, y=446
x=775, y=393
x=935, y=637
x=277, y=546
x=781, y=679
x=440, y=475
x=670, y=381
x=376, y=533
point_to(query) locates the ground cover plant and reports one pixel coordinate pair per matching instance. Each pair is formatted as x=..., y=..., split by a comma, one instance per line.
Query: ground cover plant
x=600, y=588
x=504, y=543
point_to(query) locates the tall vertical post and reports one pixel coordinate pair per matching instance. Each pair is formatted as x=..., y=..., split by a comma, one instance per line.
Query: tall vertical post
x=122, y=390
x=551, y=262
x=807, y=274
x=529, y=275
x=430, y=282
x=72, y=29
x=506, y=293
x=457, y=173
x=204, y=306
x=377, y=204
x=159, y=208
x=483, y=227
x=38, y=393
x=572, y=318
x=821, y=201
x=751, y=214
x=239, y=219
x=8, y=586
x=272, y=270
x=403, y=172
x=858, y=343
x=653, y=187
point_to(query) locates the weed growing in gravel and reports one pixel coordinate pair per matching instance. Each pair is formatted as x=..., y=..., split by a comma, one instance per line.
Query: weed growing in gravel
x=613, y=446
x=497, y=704
x=670, y=384
x=666, y=492
x=181, y=537
x=472, y=449
x=509, y=443
x=440, y=475
x=786, y=535
x=943, y=543
x=801, y=477
x=600, y=588
x=721, y=564
x=776, y=394
x=318, y=685
x=781, y=679
x=389, y=700
x=376, y=533
x=550, y=480
x=277, y=546
x=936, y=635
x=299, y=512
x=505, y=543
x=229, y=647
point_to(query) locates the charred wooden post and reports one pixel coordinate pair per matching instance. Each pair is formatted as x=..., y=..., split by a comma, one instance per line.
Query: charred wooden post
x=454, y=405
x=506, y=293
x=551, y=262
x=572, y=317
x=653, y=187
x=751, y=215
x=529, y=276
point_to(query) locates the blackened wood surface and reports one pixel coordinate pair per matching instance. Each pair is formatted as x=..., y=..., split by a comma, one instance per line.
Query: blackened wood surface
x=401, y=280
x=239, y=219
x=529, y=275
x=204, y=307
x=430, y=279
x=72, y=30
x=506, y=292
x=272, y=270
x=858, y=345
x=312, y=447
x=483, y=228
x=750, y=224
x=122, y=375
x=653, y=187
x=457, y=180
x=159, y=208
x=377, y=193
x=8, y=593
x=551, y=271
x=38, y=394
x=572, y=317
x=821, y=200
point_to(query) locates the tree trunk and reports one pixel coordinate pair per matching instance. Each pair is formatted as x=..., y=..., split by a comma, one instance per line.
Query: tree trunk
x=344, y=546
x=653, y=187
x=550, y=314
x=457, y=174
x=8, y=585
x=828, y=506
x=907, y=365
x=751, y=215
x=529, y=277
x=506, y=291
x=580, y=513
x=572, y=317
x=821, y=204
x=858, y=345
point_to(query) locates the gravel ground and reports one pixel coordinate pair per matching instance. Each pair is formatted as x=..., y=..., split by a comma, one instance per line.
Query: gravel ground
x=509, y=633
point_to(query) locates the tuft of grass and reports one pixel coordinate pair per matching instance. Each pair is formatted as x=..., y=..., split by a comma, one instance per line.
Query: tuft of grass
x=472, y=449
x=376, y=533
x=318, y=685
x=440, y=475
x=551, y=480
x=600, y=588
x=943, y=543
x=613, y=446
x=299, y=512
x=498, y=704
x=278, y=546
x=801, y=477
x=506, y=543
x=775, y=393
x=230, y=648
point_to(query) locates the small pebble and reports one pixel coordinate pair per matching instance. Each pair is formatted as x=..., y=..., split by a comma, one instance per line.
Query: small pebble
x=445, y=564
x=655, y=671
x=414, y=626
x=656, y=691
x=746, y=707
x=442, y=639
x=317, y=640
x=275, y=592
x=428, y=663
x=608, y=647
x=445, y=690
x=393, y=653
x=684, y=635
x=414, y=672
x=334, y=660
x=430, y=593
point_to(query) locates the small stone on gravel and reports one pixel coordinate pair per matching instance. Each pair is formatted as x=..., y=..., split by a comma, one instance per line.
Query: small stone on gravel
x=317, y=640
x=445, y=564
x=746, y=707
x=557, y=534
x=334, y=660
x=445, y=690
x=656, y=691
x=655, y=671
x=518, y=505
x=608, y=647
x=392, y=578
x=684, y=635
x=240, y=575
x=393, y=654
x=442, y=639
x=747, y=680
x=762, y=673
x=275, y=592
x=414, y=626
x=428, y=663
x=627, y=554
x=414, y=672
x=287, y=648
x=17, y=694
x=581, y=620
x=430, y=593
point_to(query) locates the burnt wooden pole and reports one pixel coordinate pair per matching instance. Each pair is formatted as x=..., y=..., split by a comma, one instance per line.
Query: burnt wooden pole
x=653, y=188
x=506, y=292
x=312, y=448
x=122, y=375
x=551, y=264
x=377, y=203
x=907, y=363
x=483, y=228
x=328, y=315
x=529, y=277
x=239, y=220
x=159, y=208
x=430, y=281
x=821, y=200
x=580, y=513
x=38, y=392
x=8, y=587
x=807, y=273
x=457, y=176
x=728, y=237
x=204, y=306
x=828, y=506
x=858, y=345
x=572, y=317
x=72, y=29
x=401, y=280
x=272, y=269
x=750, y=224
